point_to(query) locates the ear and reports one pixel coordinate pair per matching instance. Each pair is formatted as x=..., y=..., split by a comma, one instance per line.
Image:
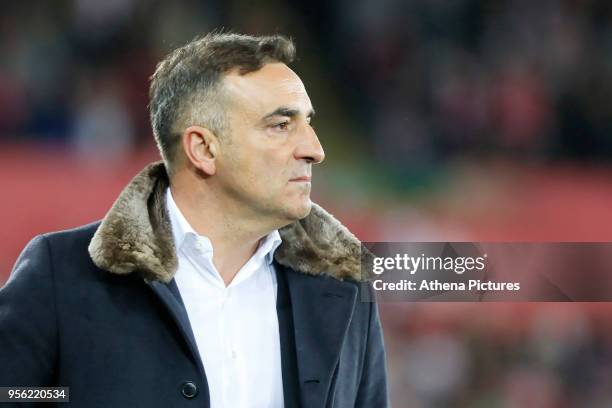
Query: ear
x=201, y=147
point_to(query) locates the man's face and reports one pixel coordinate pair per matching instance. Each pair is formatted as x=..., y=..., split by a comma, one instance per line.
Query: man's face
x=266, y=161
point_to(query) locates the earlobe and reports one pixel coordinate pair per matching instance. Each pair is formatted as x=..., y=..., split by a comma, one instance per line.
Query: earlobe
x=200, y=146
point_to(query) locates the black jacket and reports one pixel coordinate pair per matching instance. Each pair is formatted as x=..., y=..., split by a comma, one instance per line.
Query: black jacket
x=96, y=309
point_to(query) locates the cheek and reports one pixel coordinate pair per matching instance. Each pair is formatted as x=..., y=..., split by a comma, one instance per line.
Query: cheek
x=261, y=167
x=261, y=176
x=272, y=166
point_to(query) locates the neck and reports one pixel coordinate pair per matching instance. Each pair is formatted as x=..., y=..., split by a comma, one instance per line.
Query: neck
x=233, y=235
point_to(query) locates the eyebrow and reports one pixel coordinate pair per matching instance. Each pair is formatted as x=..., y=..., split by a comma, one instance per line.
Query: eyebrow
x=290, y=113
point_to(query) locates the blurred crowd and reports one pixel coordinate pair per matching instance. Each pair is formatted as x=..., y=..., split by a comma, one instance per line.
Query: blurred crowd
x=402, y=87
x=422, y=79
x=75, y=73
x=499, y=355
x=438, y=78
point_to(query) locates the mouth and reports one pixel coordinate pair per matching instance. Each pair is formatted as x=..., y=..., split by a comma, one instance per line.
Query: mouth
x=301, y=179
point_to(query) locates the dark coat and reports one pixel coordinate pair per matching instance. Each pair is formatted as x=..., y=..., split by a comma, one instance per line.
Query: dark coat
x=96, y=309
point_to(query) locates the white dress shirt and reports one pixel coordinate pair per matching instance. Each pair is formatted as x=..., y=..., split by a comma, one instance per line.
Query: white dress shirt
x=235, y=327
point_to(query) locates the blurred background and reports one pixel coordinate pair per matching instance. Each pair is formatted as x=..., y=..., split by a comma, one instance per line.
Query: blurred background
x=463, y=120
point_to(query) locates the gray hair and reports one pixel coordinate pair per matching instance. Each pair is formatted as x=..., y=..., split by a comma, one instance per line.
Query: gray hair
x=186, y=86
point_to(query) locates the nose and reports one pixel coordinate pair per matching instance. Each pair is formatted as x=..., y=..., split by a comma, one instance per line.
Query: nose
x=308, y=147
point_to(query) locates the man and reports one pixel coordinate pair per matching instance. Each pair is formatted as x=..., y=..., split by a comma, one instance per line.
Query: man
x=213, y=280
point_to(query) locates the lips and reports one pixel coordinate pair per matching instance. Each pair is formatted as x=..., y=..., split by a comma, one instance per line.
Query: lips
x=302, y=178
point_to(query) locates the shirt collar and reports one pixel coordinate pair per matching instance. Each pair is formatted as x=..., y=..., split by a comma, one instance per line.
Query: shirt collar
x=183, y=232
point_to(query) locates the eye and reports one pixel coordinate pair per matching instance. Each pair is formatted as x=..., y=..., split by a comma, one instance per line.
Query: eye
x=282, y=126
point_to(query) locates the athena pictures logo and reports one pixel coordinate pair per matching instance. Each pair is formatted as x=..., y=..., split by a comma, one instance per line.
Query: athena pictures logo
x=475, y=271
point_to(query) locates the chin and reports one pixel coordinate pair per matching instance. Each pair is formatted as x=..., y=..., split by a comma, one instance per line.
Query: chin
x=300, y=210
x=306, y=209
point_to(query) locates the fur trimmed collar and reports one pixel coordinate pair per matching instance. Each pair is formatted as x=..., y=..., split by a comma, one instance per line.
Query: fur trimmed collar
x=136, y=235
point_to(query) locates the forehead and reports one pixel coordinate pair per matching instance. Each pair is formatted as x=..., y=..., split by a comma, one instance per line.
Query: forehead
x=264, y=90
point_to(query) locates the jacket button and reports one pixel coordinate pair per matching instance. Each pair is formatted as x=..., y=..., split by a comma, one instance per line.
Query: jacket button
x=189, y=390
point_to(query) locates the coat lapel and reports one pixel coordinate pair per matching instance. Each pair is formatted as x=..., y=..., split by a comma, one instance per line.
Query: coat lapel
x=322, y=310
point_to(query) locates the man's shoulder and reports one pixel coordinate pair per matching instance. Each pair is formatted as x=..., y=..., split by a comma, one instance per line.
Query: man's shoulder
x=61, y=254
x=69, y=246
x=77, y=233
